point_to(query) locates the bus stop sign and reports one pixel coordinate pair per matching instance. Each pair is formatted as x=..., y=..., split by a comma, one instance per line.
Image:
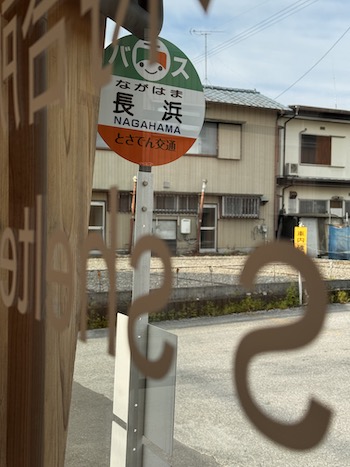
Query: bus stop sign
x=150, y=113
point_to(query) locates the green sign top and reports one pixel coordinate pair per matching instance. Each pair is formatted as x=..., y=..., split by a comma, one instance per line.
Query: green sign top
x=130, y=59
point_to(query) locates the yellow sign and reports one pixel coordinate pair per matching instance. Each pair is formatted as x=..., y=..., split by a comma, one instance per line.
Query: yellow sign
x=300, y=238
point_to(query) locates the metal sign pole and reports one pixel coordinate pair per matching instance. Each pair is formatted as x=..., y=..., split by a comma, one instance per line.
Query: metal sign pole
x=171, y=121
x=300, y=288
x=141, y=286
x=130, y=383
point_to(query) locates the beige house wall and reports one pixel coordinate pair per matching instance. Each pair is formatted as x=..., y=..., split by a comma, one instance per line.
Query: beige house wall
x=338, y=170
x=254, y=172
x=340, y=160
x=250, y=172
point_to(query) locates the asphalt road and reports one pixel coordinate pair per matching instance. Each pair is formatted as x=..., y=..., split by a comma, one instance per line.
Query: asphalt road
x=210, y=428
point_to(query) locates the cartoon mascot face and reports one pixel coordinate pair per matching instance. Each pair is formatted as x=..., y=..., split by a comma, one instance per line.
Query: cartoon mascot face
x=155, y=71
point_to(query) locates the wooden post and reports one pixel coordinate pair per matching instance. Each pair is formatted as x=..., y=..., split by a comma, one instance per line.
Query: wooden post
x=26, y=336
x=71, y=150
x=48, y=169
x=4, y=195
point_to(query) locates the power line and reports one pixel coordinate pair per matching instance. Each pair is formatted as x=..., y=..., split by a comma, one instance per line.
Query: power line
x=246, y=11
x=315, y=64
x=262, y=25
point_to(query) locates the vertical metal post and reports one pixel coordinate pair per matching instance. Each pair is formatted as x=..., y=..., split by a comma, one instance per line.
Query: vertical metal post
x=129, y=382
x=300, y=288
x=141, y=286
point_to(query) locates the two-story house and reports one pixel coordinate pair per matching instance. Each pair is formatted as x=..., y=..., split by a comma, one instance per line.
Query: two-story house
x=227, y=178
x=313, y=183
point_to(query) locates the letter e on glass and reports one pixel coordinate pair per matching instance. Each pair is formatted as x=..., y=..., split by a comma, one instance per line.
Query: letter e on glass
x=59, y=317
x=9, y=264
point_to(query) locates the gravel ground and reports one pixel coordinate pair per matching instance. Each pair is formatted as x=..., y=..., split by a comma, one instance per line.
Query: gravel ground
x=194, y=271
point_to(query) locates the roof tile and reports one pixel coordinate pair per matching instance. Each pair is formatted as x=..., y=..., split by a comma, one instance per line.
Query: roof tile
x=245, y=97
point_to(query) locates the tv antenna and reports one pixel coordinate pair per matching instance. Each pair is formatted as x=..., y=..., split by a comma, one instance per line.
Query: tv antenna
x=205, y=33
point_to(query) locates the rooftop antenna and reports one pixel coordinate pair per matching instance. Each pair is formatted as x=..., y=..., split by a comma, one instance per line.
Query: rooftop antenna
x=205, y=33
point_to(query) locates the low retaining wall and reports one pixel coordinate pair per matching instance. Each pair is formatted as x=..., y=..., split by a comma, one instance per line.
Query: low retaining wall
x=98, y=301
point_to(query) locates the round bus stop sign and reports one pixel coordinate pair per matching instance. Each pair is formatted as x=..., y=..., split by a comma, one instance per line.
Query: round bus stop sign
x=150, y=114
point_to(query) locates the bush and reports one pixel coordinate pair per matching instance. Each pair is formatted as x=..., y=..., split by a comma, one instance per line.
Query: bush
x=249, y=303
x=96, y=321
x=196, y=309
x=339, y=296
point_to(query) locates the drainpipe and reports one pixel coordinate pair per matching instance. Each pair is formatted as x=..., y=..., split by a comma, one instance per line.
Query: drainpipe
x=279, y=223
x=296, y=112
x=200, y=213
x=132, y=220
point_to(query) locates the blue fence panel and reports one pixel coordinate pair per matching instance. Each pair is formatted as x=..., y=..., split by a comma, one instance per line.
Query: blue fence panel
x=339, y=242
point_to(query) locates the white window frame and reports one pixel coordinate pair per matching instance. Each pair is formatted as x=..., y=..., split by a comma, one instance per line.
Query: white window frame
x=99, y=228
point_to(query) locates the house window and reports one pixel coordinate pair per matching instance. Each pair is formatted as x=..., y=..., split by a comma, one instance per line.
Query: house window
x=336, y=207
x=241, y=206
x=167, y=203
x=313, y=206
x=347, y=208
x=124, y=204
x=164, y=203
x=336, y=204
x=316, y=149
x=188, y=203
x=97, y=217
x=206, y=143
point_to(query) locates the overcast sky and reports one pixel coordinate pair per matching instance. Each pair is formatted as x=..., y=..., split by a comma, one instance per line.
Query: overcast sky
x=268, y=45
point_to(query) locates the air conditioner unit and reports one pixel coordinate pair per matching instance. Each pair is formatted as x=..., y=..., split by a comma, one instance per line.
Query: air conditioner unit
x=291, y=169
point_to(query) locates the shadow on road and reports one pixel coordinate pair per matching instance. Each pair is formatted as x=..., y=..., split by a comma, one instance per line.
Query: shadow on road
x=89, y=434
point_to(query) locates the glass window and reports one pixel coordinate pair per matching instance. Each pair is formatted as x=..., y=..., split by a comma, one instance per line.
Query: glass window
x=188, y=203
x=336, y=207
x=97, y=217
x=347, y=207
x=316, y=149
x=175, y=203
x=206, y=143
x=241, y=206
x=313, y=206
x=336, y=203
x=124, y=201
x=164, y=203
